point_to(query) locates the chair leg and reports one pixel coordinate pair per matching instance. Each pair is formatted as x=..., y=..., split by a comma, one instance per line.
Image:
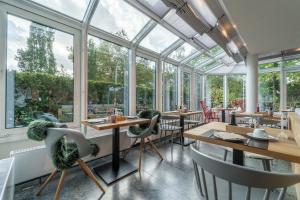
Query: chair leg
x=155, y=149
x=88, y=171
x=127, y=151
x=46, y=182
x=172, y=143
x=141, y=154
x=60, y=184
x=225, y=155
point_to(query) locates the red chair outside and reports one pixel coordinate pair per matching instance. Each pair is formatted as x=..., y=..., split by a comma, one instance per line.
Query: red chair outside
x=208, y=114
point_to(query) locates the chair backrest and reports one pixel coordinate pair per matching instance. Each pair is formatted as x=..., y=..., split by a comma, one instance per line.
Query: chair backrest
x=167, y=122
x=239, y=175
x=55, y=134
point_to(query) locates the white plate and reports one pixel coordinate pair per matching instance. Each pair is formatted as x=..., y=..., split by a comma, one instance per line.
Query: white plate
x=98, y=120
x=263, y=138
x=228, y=136
x=132, y=117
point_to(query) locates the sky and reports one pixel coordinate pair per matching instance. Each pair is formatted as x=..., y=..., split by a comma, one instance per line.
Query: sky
x=17, y=35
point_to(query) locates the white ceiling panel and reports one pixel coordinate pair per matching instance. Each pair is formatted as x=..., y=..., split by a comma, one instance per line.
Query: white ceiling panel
x=156, y=6
x=205, y=39
x=174, y=20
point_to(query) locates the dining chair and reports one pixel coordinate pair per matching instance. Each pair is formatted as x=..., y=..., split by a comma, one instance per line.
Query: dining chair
x=136, y=132
x=73, y=137
x=170, y=123
x=193, y=120
x=206, y=167
x=208, y=114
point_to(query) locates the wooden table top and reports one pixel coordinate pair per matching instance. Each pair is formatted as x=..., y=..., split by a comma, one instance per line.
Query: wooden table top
x=219, y=109
x=127, y=122
x=181, y=113
x=249, y=114
x=284, y=149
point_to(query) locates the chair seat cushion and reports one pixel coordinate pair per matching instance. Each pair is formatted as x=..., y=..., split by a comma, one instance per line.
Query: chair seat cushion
x=135, y=131
x=169, y=128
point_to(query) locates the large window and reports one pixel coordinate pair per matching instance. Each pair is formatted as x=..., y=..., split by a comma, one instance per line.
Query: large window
x=170, y=87
x=214, y=91
x=236, y=91
x=145, y=84
x=269, y=91
x=198, y=91
x=293, y=91
x=107, y=78
x=39, y=78
x=187, y=90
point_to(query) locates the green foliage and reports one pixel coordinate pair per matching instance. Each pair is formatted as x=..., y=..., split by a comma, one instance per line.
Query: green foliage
x=269, y=90
x=38, y=56
x=215, y=86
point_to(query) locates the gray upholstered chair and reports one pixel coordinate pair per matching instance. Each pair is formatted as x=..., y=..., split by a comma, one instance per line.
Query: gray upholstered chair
x=84, y=149
x=215, y=168
x=142, y=134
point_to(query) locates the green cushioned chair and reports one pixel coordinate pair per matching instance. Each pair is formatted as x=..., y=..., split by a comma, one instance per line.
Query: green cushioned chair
x=143, y=132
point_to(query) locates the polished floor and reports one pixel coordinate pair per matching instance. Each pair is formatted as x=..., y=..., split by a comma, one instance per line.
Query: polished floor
x=171, y=179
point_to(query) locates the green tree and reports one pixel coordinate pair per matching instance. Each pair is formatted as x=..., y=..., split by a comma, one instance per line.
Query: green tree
x=38, y=56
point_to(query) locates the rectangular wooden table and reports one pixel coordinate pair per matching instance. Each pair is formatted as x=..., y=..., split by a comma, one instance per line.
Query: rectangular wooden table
x=118, y=168
x=283, y=149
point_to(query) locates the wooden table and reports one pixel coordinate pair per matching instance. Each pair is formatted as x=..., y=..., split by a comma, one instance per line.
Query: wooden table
x=284, y=149
x=118, y=168
x=223, y=112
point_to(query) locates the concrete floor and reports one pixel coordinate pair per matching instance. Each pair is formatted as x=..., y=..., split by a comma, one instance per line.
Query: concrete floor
x=171, y=179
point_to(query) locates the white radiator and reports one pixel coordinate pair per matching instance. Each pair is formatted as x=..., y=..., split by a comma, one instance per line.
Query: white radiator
x=31, y=163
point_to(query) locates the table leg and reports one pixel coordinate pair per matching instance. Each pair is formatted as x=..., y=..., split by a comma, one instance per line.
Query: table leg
x=223, y=115
x=116, y=149
x=118, y=168
x=181, y=122
x=238, y=157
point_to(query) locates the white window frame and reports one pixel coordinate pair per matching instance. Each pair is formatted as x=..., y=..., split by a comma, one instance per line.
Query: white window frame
x=19, y=133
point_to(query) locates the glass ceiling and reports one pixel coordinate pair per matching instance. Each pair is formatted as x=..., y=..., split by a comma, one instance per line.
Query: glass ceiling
x=158, y=39
x=195, y=62
x=72, y=8
x=182, y=52
x=119, y=18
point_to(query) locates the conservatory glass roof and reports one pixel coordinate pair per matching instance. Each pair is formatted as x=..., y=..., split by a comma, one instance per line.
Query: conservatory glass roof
x=72, y=8
x=182, y=52
x=117, y=18
x=149, y=24
x=158, y=39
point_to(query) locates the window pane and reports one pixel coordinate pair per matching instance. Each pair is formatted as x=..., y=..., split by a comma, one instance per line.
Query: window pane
x=195, y=62
x=216, y=50
x=214, y=91
x=119, y=18
x=145, y=84
x=269, y=91
x=40, y=81
x=236, y=87
x=107, y=78
x=293, y=92
x=182, y=52
x=159, y=39
x=73, y=8
x=198, y=91
x=186, y=90
x=170, y=85
x=291, y=63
